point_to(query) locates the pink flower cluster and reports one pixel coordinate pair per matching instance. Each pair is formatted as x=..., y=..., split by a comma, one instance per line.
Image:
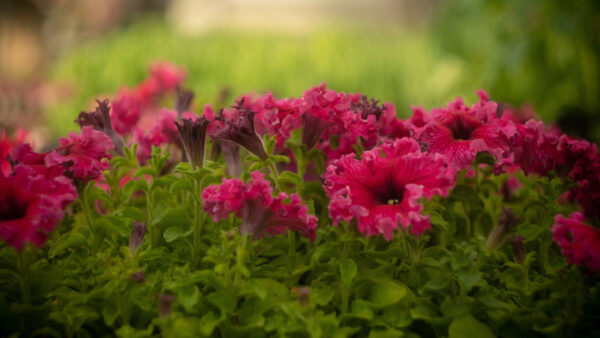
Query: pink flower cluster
x=384, y=188
x=579, y=242
x=6, y=145
x=132, y=105
x=260, y=212
x=33, y=197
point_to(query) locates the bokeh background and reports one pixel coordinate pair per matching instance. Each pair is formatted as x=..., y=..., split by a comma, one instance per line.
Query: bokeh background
x=57, y=56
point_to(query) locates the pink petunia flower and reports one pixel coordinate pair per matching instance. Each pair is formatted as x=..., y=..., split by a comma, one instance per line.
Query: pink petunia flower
x=82, y=155
x=460, y=132
x=260, y=212
x=162, y=131
x=579, y=242
x=6, y=146
x=384, y=187
x=125, y=111
x=31, y=204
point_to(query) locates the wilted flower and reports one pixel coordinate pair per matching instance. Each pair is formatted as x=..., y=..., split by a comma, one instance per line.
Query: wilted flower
x=82, y=155
x=164, y=303
x=518, y=248
x=137, y=236
x=239, y=128
x=100, y=120
x=384, y=187
x=506, y=222
x=193, y=137
x=260, y=212
x=579, y=242
x=31, y=204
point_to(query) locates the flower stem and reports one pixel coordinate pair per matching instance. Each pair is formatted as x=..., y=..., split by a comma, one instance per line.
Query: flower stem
x=23, y=266
x=275, y=175
x=291, y=235
x=85, y=207
x=197, y=221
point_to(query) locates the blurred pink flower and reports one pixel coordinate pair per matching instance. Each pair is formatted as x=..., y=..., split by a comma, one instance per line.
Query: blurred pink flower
x=579, y=242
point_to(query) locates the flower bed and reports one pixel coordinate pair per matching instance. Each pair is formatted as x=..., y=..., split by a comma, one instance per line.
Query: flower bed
x=323, y=215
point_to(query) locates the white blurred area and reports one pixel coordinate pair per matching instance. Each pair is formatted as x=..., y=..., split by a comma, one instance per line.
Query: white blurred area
x=196, y=16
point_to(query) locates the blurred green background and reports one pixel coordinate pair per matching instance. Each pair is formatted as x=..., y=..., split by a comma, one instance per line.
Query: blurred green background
x=545, y=53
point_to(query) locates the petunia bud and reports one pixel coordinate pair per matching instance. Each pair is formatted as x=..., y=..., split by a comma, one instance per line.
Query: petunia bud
x=137, y=236
x=506, y=222
x=241, y=130
x=100, y=120
x=193, y=136
x=312, y=128
x=518, y=248
x=303, y=295
x=138, y=277
x=164, y=304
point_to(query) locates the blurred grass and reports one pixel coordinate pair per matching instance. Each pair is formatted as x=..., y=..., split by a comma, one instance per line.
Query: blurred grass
x=542, y=52
x=403, y=68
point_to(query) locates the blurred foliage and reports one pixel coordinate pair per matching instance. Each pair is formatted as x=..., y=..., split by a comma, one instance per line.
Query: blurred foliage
x=542, y=52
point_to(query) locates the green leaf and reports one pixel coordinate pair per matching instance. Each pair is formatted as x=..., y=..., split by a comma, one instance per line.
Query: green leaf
x=361, y=309
x=321, y=296
x=208, y=322
x=131, y=187
x=280, y=159
x=67, y=241
x=222, y=300
x=113, y=224
x=468, y=326
x=291, y=178
x=386, y=293
x=188, y=296
x=173, y=217
x=347, y=270
x=173, y=233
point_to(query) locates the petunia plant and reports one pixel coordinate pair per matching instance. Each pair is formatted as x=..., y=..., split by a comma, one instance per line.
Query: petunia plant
x=324, y=215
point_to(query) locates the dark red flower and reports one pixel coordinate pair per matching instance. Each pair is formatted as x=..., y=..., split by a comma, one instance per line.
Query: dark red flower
x=31, y=205
x=579, y=242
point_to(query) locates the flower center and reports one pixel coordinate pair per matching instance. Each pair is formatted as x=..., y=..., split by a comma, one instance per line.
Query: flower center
x=460, y=129
x=11, y=209
x=391, y=196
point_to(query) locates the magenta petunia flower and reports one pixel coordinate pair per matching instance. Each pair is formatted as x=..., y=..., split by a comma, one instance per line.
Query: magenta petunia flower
x=460, y=132
x=31, y=204
x=260, y=212
x=82, y=155
x=162, y=131
x=579, y=242
x=6, y=146
x=125, y=111
x=384, y=187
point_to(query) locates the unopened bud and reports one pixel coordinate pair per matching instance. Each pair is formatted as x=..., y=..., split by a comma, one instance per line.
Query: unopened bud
x=137, y=236
x=506, y=222
x=164, y=304
x=138, y=277
x=518, y=248
x=303, y=295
